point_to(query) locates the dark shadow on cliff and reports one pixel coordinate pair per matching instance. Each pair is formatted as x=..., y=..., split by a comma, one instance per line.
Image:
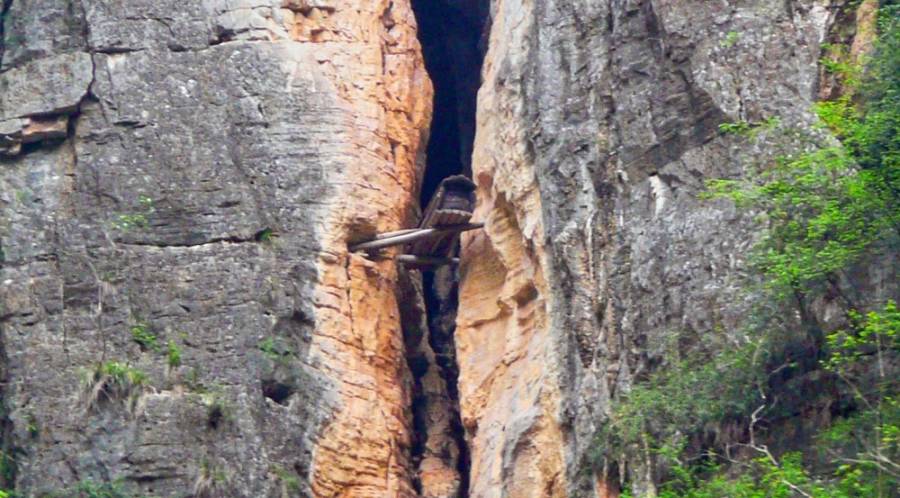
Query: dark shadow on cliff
x=453, y=38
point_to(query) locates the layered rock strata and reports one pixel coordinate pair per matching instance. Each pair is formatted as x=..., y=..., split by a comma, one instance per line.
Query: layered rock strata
x=180, y=183
x=597, y=127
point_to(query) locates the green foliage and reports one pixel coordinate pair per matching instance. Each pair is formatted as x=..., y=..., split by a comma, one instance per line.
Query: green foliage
x=113, y=380
x=871, y=436
x=275, y=350
x=267, y=346
x=736, y=128
x=760, y=478
x=839, y=62
x=289, y=481
x=193, y=380
x=730, y=39
x=122, y=374
x=140, y=219
x=874, y=137
x=750, y=129
x=873, y=333
x=7, y=467
x=173, y=356
x=218, y=408
x=145, y=337
x=126, y=222
x=823, y=216
x=212, y=481
x=828, y=207
x=32, y=427
x=266, y=235
x=657, y=415
x=872, y=433
x=92, y=489
x=23, y=196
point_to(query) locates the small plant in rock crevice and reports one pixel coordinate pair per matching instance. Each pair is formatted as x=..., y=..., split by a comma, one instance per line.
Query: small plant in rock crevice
x=145, y=337
x=173, y=355
x=88, y=488
x=280, y=374
x=290, y=483
x=193, y=380
x=730, y=39
x=140, y=219
x=750, y=129
x=218, y=408
x=211, y=482
x=266, y=236
x=32, y=427
x=275, y=350
x=112, y=381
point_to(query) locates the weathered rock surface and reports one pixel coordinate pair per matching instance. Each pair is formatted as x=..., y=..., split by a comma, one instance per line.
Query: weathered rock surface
x=196, y=173
x=597, y=126
x=192, y=171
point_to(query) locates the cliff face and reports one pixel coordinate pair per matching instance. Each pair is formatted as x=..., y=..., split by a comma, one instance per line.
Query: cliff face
x=597, y=126
x=179, y=181
x=191, y=172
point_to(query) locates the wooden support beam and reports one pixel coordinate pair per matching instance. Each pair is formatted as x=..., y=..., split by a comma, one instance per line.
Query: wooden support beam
x=416, y=234
x=412, y=259
x=387, y=235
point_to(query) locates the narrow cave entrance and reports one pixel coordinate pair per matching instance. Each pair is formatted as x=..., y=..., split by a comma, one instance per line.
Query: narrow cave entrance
x=452, y=35
x=453, y=38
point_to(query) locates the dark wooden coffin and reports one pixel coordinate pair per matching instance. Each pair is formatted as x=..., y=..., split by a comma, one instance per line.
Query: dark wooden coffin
x=451, y=204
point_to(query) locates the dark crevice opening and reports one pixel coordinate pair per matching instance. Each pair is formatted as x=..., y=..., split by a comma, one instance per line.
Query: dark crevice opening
x=453, y=35
x=453, y=38
x=278, y=392
x=5, y=5
x=9, y=450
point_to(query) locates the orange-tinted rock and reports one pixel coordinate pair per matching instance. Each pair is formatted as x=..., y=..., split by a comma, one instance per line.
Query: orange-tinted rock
x=370, y=53
x=40, y=128
x=508, y=399
x=597, y=126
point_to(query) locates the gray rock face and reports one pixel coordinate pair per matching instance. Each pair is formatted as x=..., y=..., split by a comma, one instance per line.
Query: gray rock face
x=51, y=85
x=638, y=260
x=603, y=116
x=146, y=216
x=170, y=173
x=179, y=180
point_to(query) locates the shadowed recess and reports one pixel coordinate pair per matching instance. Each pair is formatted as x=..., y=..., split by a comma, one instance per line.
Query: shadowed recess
x=453, y=37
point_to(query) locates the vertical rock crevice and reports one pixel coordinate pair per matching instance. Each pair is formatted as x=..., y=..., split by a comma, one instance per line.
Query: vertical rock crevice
x=451, y=33
x=4, y=10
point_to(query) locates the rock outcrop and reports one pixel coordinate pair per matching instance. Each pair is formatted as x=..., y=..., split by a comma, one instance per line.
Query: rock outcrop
x=180, y=180
x=597, y=127
x=185, y=177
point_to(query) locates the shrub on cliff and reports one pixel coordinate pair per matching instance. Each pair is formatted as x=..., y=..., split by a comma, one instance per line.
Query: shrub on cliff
x=830, y=208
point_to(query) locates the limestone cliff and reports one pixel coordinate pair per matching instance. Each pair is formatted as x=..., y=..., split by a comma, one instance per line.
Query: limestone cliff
x=191, y=172
x=597, y=127
x=180, y=180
